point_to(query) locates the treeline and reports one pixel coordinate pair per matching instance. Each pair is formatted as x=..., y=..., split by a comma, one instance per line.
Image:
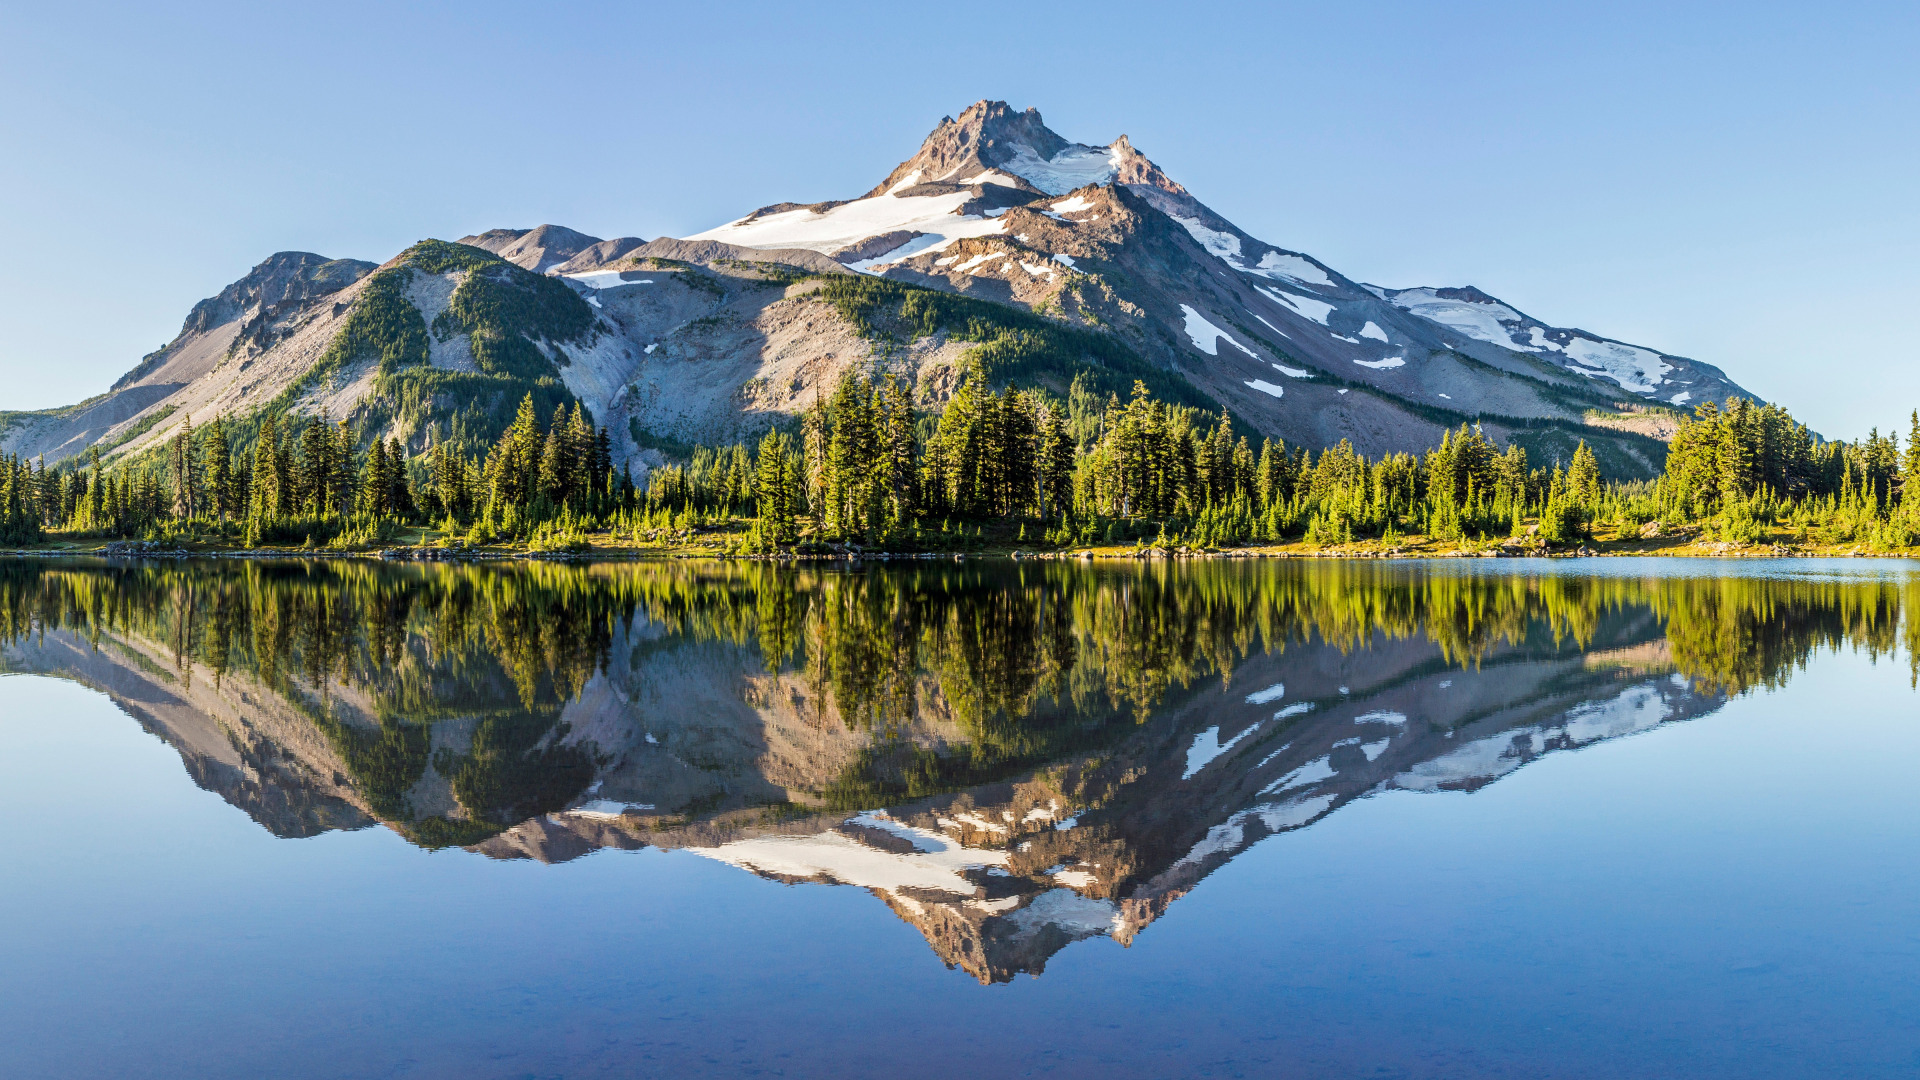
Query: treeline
x=317, y=482
x=1747, y=468
x=867, y=465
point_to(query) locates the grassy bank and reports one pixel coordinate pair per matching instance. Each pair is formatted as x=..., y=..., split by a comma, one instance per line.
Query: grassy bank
x=733, y=539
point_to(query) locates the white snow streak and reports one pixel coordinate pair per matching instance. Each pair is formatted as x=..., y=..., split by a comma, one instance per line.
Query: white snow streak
x=1271, y=693
x=1207, y=746
x=978, y=260
x=604, y=279
x=1304, y=306
x=1203, y=334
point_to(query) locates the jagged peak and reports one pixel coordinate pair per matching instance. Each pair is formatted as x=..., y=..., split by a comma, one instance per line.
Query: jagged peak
x=991, y=137
x=282, y=276
x=537, y=249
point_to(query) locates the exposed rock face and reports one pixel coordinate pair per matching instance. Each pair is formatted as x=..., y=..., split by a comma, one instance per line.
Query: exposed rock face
x=286, y=282
x=538, y=249
x=287, y=277
x=987, y=135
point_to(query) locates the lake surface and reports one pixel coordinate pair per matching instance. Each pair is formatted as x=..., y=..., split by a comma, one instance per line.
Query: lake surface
x=1598, y=818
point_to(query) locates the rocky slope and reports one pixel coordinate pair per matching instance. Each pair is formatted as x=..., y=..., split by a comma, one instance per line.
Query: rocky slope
x=288, y=282
x=715, y=337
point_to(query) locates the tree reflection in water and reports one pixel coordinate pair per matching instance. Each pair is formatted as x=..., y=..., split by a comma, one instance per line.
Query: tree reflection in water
x=1012, y=755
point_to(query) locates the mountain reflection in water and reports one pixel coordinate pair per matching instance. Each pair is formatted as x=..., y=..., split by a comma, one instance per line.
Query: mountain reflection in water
x=1013, y=756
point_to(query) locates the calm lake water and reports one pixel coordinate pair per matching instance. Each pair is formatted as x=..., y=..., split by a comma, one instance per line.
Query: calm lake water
x=1606, y=818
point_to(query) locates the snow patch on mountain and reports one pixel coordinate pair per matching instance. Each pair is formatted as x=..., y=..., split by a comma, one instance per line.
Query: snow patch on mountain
x=604, y=279
x=1636, y=369
x=905, y=251
x=1636, y=709
x=1073, y=167
x=1280, y=264
x=1271, y=693
x=842, y=226
x=1203, y=334
x=1304, y=306
x=1266, y=387
x=1482, y=321
x=1312, y=772
x=979, y=260
x=1207, y=746
x=834, y=856
x=1223, y=244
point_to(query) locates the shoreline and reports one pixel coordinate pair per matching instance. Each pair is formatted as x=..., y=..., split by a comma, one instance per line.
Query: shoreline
x=1408, y=549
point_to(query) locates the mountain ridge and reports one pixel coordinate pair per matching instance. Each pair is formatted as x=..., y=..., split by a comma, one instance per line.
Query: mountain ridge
x=713, y=337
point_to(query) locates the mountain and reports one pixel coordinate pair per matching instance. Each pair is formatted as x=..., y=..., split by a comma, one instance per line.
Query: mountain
x=1089, y=259
x=286, y=283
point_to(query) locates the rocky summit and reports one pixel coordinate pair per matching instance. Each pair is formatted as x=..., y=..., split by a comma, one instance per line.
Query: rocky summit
x=1066, y=263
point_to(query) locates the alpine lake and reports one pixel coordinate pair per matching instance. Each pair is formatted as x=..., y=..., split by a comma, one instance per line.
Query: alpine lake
x=1268, y=818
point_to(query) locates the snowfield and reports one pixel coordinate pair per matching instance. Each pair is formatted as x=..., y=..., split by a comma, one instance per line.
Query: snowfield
x=1636, y=369
x=1073, y=167
x=1484, y=322
x=1638, y=708
x=853, y=222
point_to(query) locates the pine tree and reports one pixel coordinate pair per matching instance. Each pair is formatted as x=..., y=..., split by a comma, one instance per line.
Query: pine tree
x=901, y=473
x=399, y=495
x=1910, y=471
x=217, y=463
x=374, y=484
x=183, y=471
x=1583, y=477
x=268, y=472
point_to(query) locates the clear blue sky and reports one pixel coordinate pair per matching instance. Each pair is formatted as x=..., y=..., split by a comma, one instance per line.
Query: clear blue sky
x=1735, y=184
